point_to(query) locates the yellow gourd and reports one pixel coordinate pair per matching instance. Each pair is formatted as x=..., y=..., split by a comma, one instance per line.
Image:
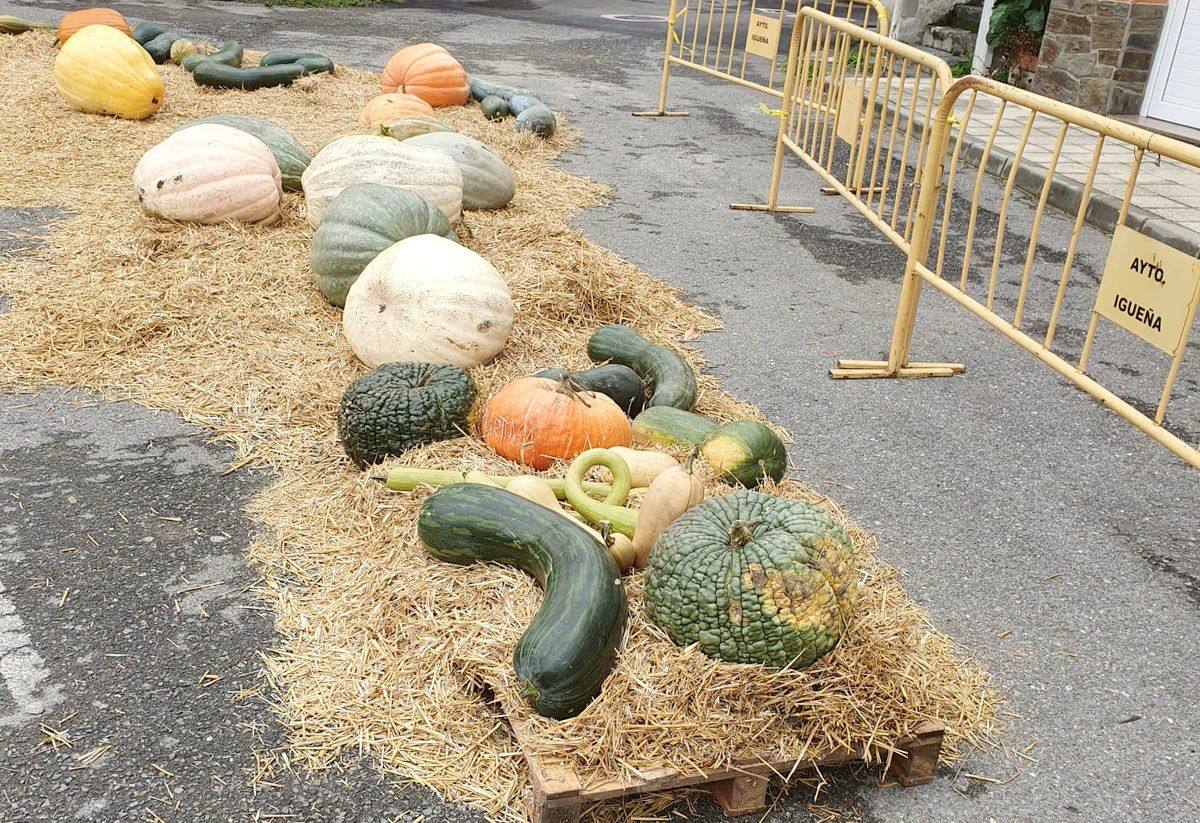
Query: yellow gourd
x=536, y=490
x=671, y=494
x=623, y=552
x=476, y=476
x=181, y=49
x=644, y=466
x=104, y=71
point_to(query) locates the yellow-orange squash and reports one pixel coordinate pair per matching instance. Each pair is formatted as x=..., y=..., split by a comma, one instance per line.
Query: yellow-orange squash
x=74, y=21
x=103, y=71
x=536, y=421
x=428, y=71
x=388, y=107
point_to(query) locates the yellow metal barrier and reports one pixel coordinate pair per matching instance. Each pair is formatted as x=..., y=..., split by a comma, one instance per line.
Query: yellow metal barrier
x=738, y=40
x=857, y=107
x=1148, y=288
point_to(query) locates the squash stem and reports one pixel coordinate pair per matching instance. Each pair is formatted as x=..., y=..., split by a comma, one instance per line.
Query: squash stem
x=741, y=532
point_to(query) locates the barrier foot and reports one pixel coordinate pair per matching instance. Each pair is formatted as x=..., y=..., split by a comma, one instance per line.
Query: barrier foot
x=659, y=113
x=829, y=190
x=765, y=207
x=864, y=369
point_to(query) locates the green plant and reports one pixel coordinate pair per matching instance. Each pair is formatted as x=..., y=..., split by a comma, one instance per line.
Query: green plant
x=571, y=645
x=753, y=578
x=961, y=68
x=1011, y=17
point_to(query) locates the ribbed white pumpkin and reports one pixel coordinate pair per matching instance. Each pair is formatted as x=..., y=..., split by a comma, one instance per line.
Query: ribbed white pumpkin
x=430, y=300
x=370, y=158
x=487, y=182
x=207, y=174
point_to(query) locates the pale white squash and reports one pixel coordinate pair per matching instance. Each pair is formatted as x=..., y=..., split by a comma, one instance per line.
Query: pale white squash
x=371, y=158
x=430, y=300
x=487, y=182
x=208, y=174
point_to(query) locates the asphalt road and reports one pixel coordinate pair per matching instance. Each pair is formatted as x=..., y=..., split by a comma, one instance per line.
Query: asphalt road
x=1038, y=528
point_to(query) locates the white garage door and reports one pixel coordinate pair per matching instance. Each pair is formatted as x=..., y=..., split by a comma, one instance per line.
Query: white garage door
x=1173, y=93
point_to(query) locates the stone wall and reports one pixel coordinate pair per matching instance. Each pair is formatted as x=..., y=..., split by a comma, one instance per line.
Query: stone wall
x=1096, y=54
x=910, y=18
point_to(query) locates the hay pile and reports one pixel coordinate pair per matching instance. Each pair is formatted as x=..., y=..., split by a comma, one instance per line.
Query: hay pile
x=382, y=650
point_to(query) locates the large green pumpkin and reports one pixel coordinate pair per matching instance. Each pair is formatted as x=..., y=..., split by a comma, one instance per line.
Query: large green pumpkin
x=363, y=220
x=402, y=405
x=289, y=154
x=753, y=578
x=487, y=181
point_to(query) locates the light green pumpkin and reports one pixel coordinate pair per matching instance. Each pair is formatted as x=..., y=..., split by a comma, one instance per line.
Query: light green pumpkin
x=363, y=220
x=289, y=154
x=753, y=578
x=487, y=181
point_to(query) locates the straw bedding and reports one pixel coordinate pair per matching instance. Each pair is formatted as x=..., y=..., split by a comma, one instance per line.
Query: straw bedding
x=383, y=651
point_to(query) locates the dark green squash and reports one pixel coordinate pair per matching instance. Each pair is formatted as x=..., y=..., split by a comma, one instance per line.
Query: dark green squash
x=230, y=54
x=539, y=120
x=159, y=48
x=402, y=405
x=221, y=76
x=312, y=61
x=290, y=156
x=669, y=375
x=571, y=645
x=742, y=451
x=494, y=108
x=621, y=383
x=753, y=578
x=146, y=31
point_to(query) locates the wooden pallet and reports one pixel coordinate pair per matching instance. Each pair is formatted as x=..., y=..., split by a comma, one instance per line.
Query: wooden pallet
x=559, y=796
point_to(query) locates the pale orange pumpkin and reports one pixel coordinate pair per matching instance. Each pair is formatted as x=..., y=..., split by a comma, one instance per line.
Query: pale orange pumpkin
x=536, y=421
x=73, y=21
x=388, y=107
x=428, y=71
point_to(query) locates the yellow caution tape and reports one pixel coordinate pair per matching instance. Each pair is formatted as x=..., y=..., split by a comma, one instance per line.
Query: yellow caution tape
x=772, y=112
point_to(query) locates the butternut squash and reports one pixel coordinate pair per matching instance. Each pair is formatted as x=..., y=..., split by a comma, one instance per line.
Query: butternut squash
x=644, y=466
x=671, y=494
x=476, y=476
x=623, y=552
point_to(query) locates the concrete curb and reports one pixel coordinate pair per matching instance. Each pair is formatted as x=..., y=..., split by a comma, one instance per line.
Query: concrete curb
x=1066, y=194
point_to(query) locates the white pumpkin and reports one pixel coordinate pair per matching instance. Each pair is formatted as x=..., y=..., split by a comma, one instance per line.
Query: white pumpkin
x=207, y=174
x=430, y=300
x=487, y=182
x=371, y=158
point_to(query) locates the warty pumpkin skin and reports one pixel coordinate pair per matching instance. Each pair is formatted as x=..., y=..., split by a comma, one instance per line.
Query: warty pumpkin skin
x=104, y=71
x=487, y=181
x=753, y=578
x=428, y=71
x=388, y=107
x=362, y=222
x=75, y=21
x=536, y=421
x=372, y=158
x=430, y=300
x=207, y=174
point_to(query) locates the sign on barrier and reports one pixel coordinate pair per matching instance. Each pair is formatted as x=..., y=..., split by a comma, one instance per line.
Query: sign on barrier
x=1149, y=289
x=717, y=38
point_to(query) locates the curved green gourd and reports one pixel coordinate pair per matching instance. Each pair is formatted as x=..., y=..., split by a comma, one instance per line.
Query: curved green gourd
x=571, y=644
x=494, y=107
x=362, y=221
x=753, y=578
x=673, y=380
x=621, y=519
x=290, y=156
x=221, y=76
x=146, y=31
x=401, y=405
x=312, y=61
x=230, y=54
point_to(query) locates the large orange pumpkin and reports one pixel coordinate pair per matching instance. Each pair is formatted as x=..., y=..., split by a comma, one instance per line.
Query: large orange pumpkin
x=388, y=107
x=73, y=21
x=428, y=71
x=536, y=421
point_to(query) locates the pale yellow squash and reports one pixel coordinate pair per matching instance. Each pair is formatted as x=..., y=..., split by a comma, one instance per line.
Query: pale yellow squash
x=671, y=494
x=102, y=70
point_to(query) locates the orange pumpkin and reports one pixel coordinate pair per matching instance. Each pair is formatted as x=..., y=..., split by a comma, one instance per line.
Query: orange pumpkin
x=428, y=71
x=536, y=421
x=73, y=21
x=388, y=107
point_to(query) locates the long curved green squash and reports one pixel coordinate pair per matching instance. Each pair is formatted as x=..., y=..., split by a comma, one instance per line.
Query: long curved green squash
x=571, y=645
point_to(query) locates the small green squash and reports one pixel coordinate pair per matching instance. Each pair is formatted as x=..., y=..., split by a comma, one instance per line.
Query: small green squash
x=289, y=154
x=146, y=31
x=571, y=645
x=402, y=405
x=539, y=120
x=487, y=181
x=159, y=48
x=362, y=221
x=753, y=578
x=672, y=379
x=494, y=107
x=230, y=54
x=743, y=451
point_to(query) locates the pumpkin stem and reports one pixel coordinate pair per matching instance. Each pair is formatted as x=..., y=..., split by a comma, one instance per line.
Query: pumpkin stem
x=741, y=532
x=687, y=464
x=605, y=532
x=572, y=389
